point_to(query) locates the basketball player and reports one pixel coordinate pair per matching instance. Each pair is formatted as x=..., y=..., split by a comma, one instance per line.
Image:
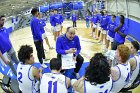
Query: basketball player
x=43, y=28
x=54, y=82
x=103, y=23
x=37, y=35
x=121, y=33
x=61, y=18
x=51, y=21
x=57, y=24
x=94, y=24
x=111, y=33
x=121, y=72
x=134, y=63
x=97, y=77
x=26, y=72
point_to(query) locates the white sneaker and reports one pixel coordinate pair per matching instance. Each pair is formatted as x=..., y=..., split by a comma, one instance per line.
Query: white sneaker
x=43, y=65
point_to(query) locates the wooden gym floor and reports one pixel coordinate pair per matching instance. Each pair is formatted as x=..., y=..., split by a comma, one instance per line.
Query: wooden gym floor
x=88, y=44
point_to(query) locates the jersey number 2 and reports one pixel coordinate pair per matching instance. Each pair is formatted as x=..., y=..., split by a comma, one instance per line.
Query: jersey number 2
x=20, y=77
x=54, y=84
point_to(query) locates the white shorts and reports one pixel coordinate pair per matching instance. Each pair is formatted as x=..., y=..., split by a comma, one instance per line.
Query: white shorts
x=44, y=35
x=52, y=28
x=103, y=31
x=57, y=28
x=110, y=38
x=94, y=25
x=62, y=25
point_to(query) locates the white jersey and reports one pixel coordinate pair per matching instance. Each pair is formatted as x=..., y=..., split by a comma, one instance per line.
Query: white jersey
x=124, y=70
x=134, y=73
x=99, y=88
x=25, y=79
x=53, y=83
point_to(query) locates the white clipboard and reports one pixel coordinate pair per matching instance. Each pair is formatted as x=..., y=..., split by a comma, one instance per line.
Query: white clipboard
x=67, y=61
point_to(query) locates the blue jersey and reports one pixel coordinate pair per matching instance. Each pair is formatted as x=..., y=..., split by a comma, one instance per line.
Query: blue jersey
x=36, y=31
x=94, y=19
x=104, y=22
x=57, y=19
x=118, y=37
x=51, y=20
x=98, y=17
x=74, y=17
x=61, y=18
x=5, y=44
x=87, y=18
x=42, y=25
x=111, y=26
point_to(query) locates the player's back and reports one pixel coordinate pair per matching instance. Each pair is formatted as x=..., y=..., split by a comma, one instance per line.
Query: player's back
x=25, y=78
x=53, y=83
x=124, y=70
x=99, y=88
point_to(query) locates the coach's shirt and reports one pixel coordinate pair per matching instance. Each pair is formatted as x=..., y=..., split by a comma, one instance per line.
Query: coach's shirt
x=111, y=27
x=5, y=44
x=118, y=37
x=63, y=43
x=35, y=28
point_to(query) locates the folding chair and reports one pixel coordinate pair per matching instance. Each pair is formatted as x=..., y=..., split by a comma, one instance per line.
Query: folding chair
x=6, y=83
x=14, y=86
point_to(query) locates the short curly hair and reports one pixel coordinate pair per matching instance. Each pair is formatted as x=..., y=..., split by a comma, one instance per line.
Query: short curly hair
x=98, y=71
x=124, y=52
x=24, y=53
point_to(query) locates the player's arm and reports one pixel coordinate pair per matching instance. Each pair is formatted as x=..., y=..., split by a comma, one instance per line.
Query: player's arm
x=36, y=72
x=132, y=62
x=79, y=85
x=68, y=82
x=115, y=73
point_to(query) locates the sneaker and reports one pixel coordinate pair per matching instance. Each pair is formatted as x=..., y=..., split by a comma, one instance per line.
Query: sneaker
x=43, y=65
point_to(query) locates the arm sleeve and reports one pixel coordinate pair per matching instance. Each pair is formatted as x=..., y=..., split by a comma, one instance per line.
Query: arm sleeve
x=36, y=30
x=78, y=46
x=59, y=49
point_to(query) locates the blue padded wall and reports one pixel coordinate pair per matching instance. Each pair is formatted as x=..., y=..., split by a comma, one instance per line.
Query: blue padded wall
x=134, y=29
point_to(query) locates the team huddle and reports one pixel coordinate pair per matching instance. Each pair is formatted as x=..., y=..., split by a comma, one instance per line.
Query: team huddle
x=99, y=75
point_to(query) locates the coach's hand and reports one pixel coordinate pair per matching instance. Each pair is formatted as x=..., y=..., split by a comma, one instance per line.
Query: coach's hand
x=71, y=50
